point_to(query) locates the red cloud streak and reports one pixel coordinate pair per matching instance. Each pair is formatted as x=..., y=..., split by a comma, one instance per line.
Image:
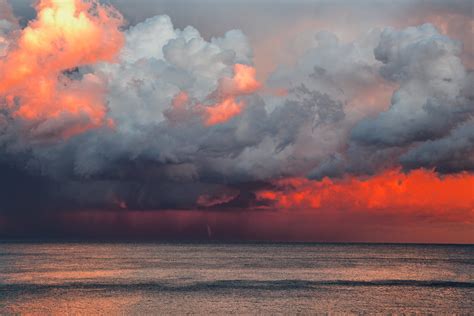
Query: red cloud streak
x=450, y=197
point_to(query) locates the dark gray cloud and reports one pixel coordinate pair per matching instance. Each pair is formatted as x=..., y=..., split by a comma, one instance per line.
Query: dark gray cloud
x=451, y=153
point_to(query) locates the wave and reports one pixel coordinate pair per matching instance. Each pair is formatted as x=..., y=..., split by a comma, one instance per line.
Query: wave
x=229, y=284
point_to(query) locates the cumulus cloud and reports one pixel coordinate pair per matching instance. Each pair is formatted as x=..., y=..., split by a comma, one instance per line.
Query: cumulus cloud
x=153, y=116
x=431, y=77
x=431, y=103
x=33, y=84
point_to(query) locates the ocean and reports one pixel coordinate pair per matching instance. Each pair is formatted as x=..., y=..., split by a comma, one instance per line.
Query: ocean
x=266, y=278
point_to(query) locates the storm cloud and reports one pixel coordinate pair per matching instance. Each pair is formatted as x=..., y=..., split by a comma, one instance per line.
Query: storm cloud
x=148, y=115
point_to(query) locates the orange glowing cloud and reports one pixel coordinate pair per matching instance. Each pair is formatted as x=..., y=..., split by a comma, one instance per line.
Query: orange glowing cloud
x=450, y=196
x=180, y=100
x=223, y=111
x=243, y=82
x=66, y=34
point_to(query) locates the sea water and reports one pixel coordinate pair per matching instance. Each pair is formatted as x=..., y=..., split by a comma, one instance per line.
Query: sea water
x=170, y=278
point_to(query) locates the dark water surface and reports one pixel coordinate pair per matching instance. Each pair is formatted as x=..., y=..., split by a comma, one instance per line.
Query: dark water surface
x=82, y=278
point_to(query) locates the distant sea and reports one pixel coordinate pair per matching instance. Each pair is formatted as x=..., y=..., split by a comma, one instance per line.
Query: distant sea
x=159, y=278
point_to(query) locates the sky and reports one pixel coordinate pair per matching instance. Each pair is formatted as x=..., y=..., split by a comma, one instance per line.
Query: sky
x=333, y=121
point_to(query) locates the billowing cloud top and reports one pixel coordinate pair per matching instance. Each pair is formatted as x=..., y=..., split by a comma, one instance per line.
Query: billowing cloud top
x=99, y=114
